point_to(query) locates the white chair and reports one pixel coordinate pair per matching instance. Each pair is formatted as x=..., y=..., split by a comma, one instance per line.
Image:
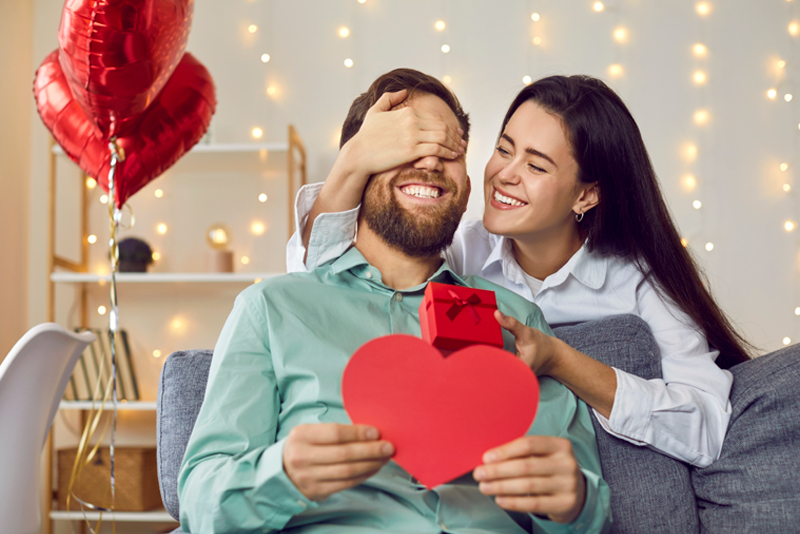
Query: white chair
x=33, y=378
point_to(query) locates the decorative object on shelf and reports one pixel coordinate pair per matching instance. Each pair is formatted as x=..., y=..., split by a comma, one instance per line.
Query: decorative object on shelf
x=91, y=376
x=219, y=259
x=136, y=466
x=135, y=255
x=155, y=100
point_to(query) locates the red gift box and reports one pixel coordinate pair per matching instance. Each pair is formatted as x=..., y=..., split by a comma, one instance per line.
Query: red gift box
x=453, y=317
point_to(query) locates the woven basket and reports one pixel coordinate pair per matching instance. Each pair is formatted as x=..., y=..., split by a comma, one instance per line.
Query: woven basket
x=136, y=487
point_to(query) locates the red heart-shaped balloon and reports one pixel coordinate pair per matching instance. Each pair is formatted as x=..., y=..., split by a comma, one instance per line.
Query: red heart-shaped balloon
x=168, y=128
x=117, y=55
x=440, y=413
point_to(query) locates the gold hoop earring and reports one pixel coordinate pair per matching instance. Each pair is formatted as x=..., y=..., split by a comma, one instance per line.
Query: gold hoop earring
x=579, y=216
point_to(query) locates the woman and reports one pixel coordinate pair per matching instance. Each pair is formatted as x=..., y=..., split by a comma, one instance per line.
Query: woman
x=574, y=221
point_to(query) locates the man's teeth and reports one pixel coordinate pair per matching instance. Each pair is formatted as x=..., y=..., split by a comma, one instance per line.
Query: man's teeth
x=507, y=200
x=421, y=191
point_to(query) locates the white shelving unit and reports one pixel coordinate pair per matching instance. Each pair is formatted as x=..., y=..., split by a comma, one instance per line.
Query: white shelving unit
x=176, y=305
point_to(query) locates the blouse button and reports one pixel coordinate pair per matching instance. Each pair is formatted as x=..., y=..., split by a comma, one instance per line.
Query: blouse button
x=398, y=297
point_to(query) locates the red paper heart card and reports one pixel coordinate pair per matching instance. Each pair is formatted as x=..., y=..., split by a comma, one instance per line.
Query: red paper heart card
x=441, y=414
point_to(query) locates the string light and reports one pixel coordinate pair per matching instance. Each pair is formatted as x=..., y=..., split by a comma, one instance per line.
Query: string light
x=258, y=228
x=257, y=133
x=797, y=311
x=344, y=31
x=103, y=199
x=101, y=310
x=156, y=353
x=703, y=8
x=265, y=58
x=789, y=226
x=526, y=80
x=780, y=64
x=362, y=1
x=697, y=204
x=787, y=341
x=787, y=188
x=535, y=17
x=161, y=228
x=447, y=79
x=788, y=97
x=621, y=35
x=158, y=193
x=701, y=117
x=440, y=25
x=689, y=182
x=257, y=280
x=445, y=48
x=245, y=260
x=92, y=239
x=156, y=256
x=252, y=28
x=348, y=63
x=784, y=167
x=794, y=28
x=699, y=77
x=598, y=7
x=699, y=50
x=709, y=246
x=537, y=40
x=615, y=70
x=684, y=242
x=91, y=183
x=272, y=90
x=262, y=197
x=772, y=93
x=690, y=152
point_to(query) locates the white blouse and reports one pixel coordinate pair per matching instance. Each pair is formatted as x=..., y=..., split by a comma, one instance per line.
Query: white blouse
x=684, y=415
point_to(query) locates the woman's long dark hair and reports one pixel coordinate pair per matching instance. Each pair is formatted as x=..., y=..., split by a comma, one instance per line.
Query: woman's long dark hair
x=632, y=219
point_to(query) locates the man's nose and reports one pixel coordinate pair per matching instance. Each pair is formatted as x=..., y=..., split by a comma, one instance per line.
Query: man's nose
x=429, y=163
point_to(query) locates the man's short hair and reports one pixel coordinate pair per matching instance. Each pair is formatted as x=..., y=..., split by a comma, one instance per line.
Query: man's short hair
x=415, y=82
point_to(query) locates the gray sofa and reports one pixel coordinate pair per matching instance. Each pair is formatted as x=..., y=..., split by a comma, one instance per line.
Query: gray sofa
x=753, y=488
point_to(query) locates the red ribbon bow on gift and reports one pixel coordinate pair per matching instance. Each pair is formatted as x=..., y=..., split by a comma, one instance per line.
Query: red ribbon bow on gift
x=460, y=304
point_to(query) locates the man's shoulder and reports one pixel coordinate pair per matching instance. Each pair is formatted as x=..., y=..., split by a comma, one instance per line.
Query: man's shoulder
x=290, y=284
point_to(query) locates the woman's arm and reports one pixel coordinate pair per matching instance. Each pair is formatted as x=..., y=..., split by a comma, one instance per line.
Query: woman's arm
x=390, y=136
x=593, y=382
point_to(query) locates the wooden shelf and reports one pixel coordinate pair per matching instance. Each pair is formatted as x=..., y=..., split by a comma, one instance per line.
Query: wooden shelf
x=216, y=148
x=124, y=278
x=121, y=405
x=154, y=516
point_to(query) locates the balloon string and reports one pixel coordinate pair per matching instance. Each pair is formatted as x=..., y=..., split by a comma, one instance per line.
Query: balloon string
x=117, y=155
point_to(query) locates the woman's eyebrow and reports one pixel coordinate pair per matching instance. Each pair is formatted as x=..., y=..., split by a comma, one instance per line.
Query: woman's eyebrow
x=530, y=150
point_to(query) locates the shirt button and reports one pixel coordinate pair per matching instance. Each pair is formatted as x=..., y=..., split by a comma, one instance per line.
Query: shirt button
x=301, y=504
x=369, y=274
x=398, y=297
x=442, y=526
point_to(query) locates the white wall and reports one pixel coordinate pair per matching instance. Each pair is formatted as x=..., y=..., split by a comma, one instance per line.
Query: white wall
x=16, y=40
x=753, y=267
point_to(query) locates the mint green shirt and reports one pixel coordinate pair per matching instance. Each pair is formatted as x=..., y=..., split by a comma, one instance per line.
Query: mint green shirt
x=278, y=363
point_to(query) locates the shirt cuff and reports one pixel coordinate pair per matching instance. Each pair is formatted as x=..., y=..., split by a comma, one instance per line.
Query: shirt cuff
x=633, y=405
x=275, y=487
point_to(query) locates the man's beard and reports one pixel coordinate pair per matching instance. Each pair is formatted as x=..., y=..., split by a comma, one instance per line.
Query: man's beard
x=424, y=232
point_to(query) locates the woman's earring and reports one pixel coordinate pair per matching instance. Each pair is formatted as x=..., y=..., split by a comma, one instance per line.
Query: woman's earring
x=579, y=216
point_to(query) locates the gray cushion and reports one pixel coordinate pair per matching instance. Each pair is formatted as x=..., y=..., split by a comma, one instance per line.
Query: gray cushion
x=755, y=485
x=180, y=395
x=650, y=493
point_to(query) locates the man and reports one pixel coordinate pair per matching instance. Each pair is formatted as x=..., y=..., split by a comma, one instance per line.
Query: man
x=273, y=448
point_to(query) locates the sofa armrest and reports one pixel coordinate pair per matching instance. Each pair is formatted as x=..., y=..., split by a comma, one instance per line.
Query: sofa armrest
x=181, y=391
x=650, y=492
x=754, y=487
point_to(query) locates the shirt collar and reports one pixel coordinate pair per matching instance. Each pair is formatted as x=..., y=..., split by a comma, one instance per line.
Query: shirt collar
x=352, y=260
x=589, y=269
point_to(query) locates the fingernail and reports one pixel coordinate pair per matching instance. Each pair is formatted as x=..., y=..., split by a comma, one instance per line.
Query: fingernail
x=387, y=449
x=460, y=131
x=454, y=153
x=479, y=474
x=372, y=433
x=489, y=457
